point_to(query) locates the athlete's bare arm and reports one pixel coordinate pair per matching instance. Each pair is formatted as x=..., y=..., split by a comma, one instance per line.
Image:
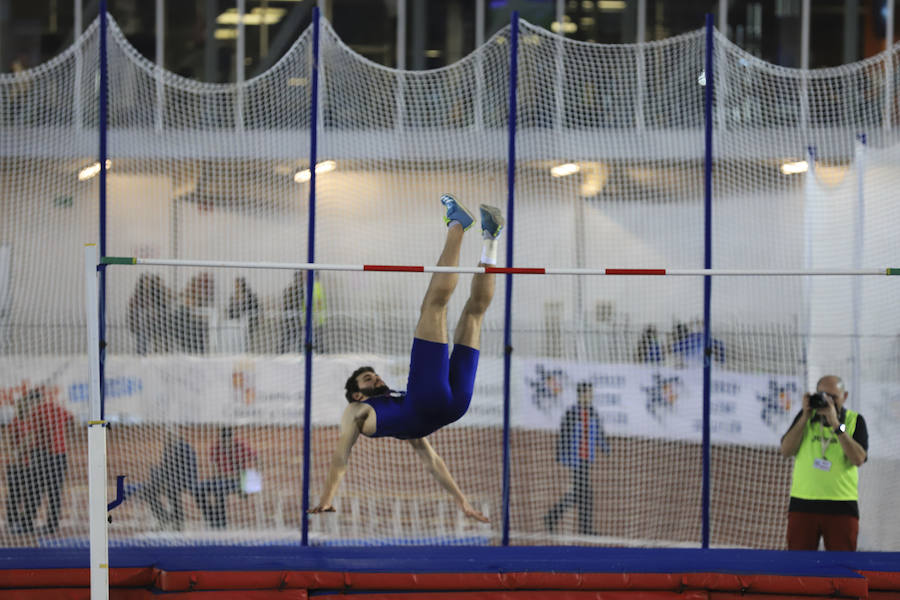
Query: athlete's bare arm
x=438, y=469
x=358, y=418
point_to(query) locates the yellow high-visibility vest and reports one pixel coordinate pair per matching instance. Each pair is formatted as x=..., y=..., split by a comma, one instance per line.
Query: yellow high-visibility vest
x=841, y=481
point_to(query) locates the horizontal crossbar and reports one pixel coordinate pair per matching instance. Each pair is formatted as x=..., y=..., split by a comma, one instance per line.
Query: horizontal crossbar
x=128, y=260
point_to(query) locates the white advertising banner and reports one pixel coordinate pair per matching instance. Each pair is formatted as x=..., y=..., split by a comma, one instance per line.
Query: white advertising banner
x=664, y=402
x=632, y=399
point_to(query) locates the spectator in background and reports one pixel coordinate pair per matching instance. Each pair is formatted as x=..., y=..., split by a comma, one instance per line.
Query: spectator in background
x=176, y=472
x=649, y=349
x=229, y=458
x=18, y=472
x=245, y=302
x=46, y=436
x=193, y=314
x=319, y=314
x=580, y=439
x=148, y=314
x=293, y=308
x=688, y=349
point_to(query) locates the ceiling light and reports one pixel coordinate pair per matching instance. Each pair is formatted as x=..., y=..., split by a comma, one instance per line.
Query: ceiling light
x=792, y=168
x=323, y=167
x=226, y=33
x=91, y=171
x=564, y=170
x=611, y=5
x=257, y=16
x=566, y=27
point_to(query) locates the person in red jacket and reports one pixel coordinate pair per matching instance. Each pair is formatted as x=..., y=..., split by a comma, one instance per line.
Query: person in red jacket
x=18, y=471
x=45, y=441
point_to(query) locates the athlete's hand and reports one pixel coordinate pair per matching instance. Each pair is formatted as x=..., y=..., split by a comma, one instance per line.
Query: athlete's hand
x=474, y=514
x=322, y=508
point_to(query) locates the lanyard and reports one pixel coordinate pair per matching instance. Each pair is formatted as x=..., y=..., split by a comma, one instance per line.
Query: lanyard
x=825, y=440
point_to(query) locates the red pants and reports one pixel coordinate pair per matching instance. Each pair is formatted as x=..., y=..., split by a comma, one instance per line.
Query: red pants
x=839, y=531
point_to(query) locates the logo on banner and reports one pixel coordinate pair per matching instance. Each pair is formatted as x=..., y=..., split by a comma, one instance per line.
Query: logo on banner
x=777, y=402
x=243, y=384
x=662, y=394
x=546, y=388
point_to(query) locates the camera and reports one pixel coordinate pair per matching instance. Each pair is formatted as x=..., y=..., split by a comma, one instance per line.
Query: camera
x=818, y=400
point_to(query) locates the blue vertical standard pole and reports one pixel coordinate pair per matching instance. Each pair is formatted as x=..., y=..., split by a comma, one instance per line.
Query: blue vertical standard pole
x=707, y=263
x=104, y=82
x=858, y=242
x=310, y=275
x=510, y=214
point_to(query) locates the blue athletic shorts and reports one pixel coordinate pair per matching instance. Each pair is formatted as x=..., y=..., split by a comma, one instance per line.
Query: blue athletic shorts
x=438, y=391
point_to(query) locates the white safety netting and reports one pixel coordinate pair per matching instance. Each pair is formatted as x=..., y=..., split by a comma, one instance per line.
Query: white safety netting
x=206, y=367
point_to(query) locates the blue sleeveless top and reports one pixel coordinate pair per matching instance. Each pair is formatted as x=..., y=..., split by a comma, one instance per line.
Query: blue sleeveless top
x=438, y=392
x=396, y=415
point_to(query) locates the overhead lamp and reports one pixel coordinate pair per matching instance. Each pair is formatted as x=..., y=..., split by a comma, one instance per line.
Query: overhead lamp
x=257, y=16
x=91, y=171
x=322, y=167
x=792, y=168
x=564, y=27
x=564, y=170
x=225, y=33
x=610, y=5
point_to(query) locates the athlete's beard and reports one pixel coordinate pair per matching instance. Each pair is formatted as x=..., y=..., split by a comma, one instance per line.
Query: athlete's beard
x=381, y=390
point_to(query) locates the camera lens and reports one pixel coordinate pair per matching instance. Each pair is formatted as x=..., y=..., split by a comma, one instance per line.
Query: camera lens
x=818, y=400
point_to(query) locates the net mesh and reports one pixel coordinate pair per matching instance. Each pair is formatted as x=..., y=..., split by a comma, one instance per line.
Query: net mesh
x=205, y=368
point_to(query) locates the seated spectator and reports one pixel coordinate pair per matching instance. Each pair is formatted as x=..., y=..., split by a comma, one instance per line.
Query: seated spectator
x=148, y=314
x=193, y=314
x=229, y=458
x=293, y=307
x=687, y=346
x=649, y=349
x=245, y=302
x=176, y=472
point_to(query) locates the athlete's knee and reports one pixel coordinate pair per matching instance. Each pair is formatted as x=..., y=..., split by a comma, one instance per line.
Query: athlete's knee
x=476, y=306
x=437, y=298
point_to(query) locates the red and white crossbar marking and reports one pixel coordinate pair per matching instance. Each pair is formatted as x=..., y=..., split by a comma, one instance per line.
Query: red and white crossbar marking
x=114, y=260
x=515, y=270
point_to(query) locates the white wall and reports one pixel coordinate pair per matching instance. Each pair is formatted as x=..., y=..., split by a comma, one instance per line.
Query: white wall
x=393, y=217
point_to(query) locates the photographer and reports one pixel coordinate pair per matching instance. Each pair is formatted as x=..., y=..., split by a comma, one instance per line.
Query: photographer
x=829, y=443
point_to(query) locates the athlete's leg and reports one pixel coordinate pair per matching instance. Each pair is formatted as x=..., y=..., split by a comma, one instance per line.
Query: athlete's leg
x=467, y=339
x=432, y=324
x=468, y=330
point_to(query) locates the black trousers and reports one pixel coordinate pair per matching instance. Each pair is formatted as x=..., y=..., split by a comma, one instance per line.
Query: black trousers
x=169, y=486
x=20, y=497
x=581, y=494
x=211, y=496
x=48, y=474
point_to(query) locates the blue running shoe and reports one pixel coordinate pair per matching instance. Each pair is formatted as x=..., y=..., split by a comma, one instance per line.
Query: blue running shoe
x=492, y=221
x=456, y=212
